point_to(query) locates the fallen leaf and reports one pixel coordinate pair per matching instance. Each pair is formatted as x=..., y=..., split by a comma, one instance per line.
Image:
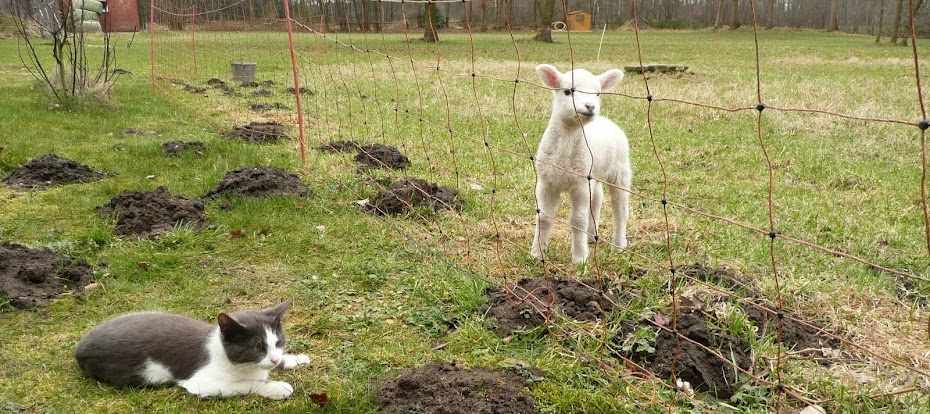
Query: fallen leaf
x=321, y=228
x=91, y=286
x=362, y=203
x=235, y=234
x=143, y=266
x=690, y=305
x=661, y=319
x=264, y=231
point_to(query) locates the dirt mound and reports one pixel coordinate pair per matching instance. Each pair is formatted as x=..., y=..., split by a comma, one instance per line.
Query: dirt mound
x=215, y=82
x=720, y=276
x=174, y=148
x=149, y=213
x=527, y=304
x=262, y=107
x=30, y=278
x=194, y=89
x=303, y=90
x=261, y=92
x=249, y=84
x=51, y=170
x=793, y=334
x=380, y=156
x=260, y=182
x=259, y=132
x=705, y=371
x=410, y=193
x=447, y=389
x=338, y=146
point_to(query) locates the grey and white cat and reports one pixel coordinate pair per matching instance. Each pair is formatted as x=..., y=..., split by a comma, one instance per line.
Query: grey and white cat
x=230, y=358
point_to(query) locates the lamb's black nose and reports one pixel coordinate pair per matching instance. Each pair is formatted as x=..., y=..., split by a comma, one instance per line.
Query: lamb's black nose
x=589, y=106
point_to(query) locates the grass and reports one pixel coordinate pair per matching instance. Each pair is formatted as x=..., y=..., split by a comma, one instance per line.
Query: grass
x=375, y=296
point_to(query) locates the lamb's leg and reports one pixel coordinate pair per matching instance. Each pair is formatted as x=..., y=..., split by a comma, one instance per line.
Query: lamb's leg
x=597, y=198
x=620, y=205
x=580, y=199
x=548, y=200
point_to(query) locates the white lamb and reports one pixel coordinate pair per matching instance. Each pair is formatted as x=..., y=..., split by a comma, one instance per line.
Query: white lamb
x=578, y=142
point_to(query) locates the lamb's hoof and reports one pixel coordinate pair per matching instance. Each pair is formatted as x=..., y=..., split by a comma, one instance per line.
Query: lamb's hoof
x=579, y=259
x=620, y=245
x=536, y=253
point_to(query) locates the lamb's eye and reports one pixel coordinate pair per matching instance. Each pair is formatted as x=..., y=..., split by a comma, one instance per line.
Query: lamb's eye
x=568, y=92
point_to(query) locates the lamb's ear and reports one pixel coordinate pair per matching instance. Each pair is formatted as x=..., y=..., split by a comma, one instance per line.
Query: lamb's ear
x=228, y=325
x=277, y=312
x=610, y=79
x=549, y=75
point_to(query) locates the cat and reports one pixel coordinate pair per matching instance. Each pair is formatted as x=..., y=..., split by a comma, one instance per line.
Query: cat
x=230, y=358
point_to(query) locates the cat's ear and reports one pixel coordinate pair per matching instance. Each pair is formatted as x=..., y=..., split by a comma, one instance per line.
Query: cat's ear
x=228, y=325
x=277, y=312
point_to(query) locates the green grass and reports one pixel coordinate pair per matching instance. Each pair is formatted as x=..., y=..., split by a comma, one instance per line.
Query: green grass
x=376, y=296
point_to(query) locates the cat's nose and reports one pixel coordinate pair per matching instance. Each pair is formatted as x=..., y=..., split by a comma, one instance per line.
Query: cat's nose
x=275, y=360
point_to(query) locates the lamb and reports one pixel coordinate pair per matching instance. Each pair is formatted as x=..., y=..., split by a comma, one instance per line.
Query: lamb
x=578, y=142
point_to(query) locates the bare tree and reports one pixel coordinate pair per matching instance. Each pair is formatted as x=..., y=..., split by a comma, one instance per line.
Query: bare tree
x=545, y=14
x=897, y=22
x=717, y=19
x=734, y=14
x=73, y=76
x=770, y=14
x=832, y=24
x=907, y=29
x=881, y=21
x=430, y=31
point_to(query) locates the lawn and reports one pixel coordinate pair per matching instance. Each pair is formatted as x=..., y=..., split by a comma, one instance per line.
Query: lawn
x=377, y=296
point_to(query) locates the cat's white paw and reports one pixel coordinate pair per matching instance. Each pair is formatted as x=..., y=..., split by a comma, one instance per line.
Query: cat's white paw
x=276, y=390
x=292, y=361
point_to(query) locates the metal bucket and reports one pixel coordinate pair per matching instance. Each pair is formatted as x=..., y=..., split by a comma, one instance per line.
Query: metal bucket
x=243, y=71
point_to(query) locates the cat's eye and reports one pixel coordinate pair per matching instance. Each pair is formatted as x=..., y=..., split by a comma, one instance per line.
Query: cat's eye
x=258, y=348
x=279, y=344
x=568, y=92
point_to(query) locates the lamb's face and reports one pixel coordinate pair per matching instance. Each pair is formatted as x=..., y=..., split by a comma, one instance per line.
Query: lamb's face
x=576, y=94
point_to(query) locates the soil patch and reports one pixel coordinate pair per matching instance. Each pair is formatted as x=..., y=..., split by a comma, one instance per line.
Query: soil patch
x=149, y=213
x=720, y=276
x=380, y=156
x=51, y=170
x=303, y=90
x=194, y=89
x=527, y=304
x=410, y=193
x=261, y=92
x=259, y=132
x=262, y=107
x=30, y=278
x=139, y=132
x=215, y=82
x=447, y=389
x=175, y=148
x=338, y=146
x=260, y=182
x=696, y=364
x=249, y=84
x=793, y=334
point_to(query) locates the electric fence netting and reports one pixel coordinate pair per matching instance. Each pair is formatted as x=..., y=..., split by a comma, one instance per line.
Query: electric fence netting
x=779, y=228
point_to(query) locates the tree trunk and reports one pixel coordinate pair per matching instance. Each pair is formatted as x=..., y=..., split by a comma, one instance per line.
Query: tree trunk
x=770, y=14
x=363, y=23
x=484, y=13
x=897, y=22
x=907, y=29
x=545, y=32
x=734, y=14
x=881, y=21
x=717, y=19
x=832, y=24
x=430, y=33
